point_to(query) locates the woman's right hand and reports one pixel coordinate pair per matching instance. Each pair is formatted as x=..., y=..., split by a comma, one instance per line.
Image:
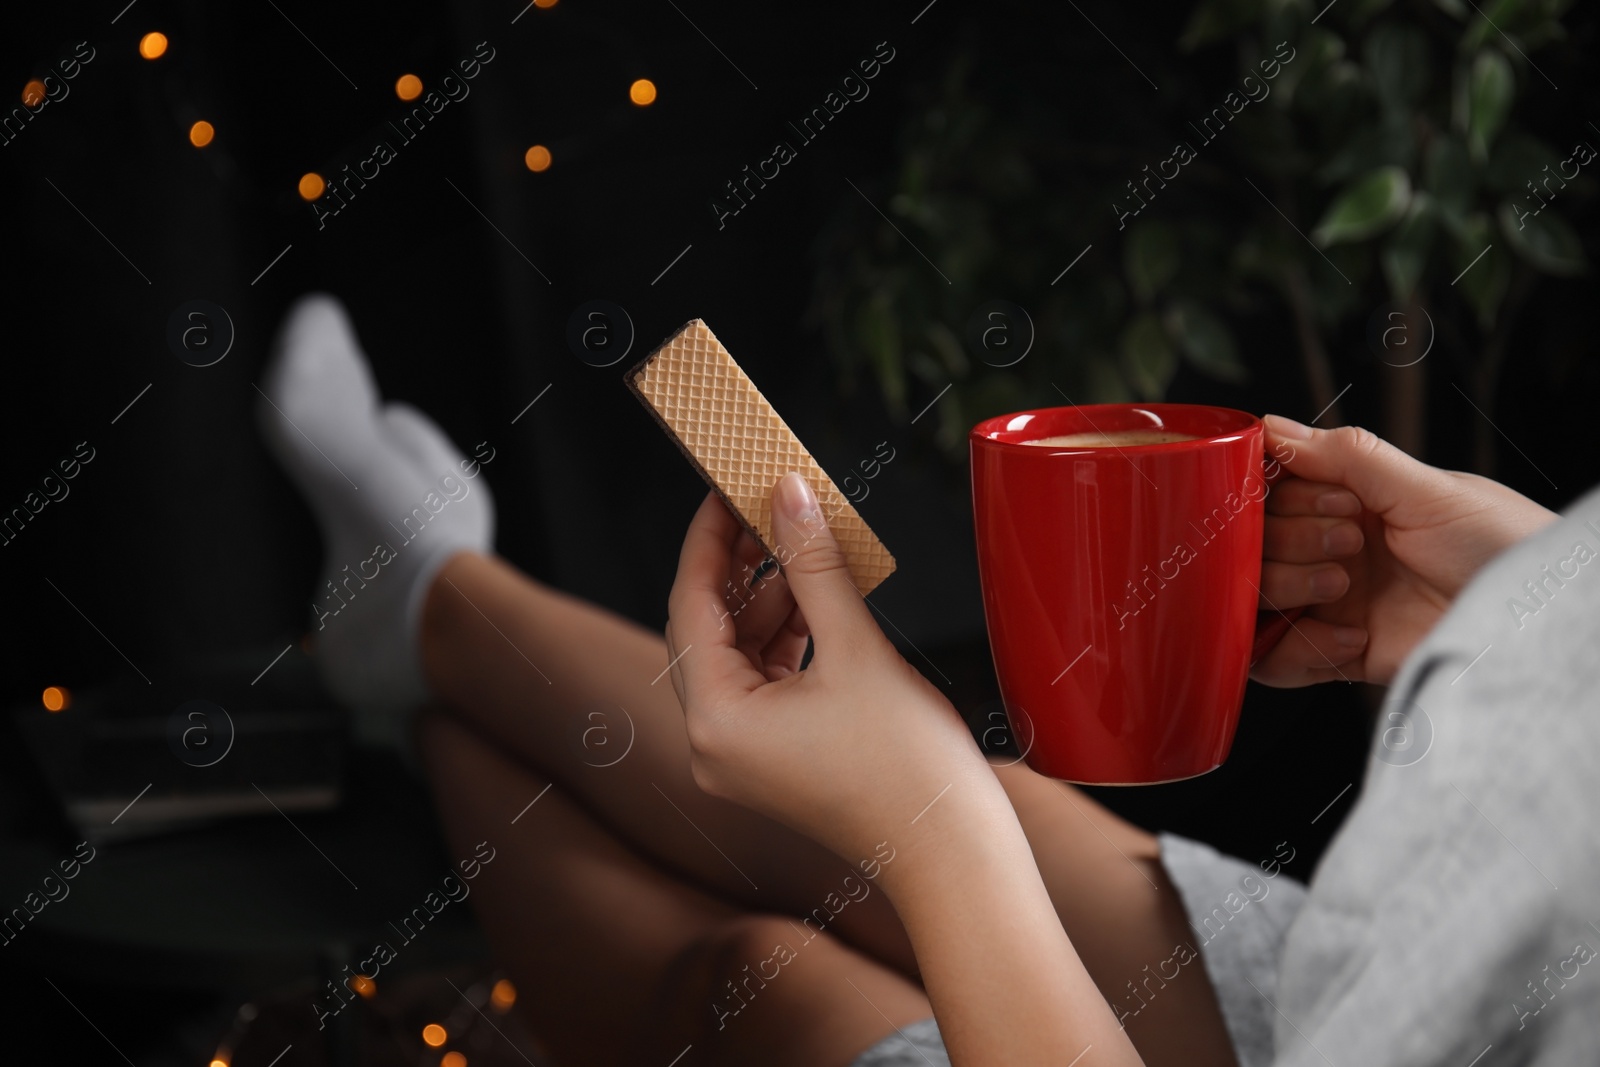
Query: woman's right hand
x=1423, y=534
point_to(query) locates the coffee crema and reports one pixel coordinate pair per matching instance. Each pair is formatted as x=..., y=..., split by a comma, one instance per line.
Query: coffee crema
x=1114, y=439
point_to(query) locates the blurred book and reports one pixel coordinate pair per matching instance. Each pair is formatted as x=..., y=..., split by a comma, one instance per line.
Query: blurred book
x=138, y=759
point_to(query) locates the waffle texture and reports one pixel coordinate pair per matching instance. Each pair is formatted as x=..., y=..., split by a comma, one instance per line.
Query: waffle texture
x=742, y=447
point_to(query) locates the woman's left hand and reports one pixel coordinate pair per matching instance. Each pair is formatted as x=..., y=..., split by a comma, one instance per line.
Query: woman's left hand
x=842, y=751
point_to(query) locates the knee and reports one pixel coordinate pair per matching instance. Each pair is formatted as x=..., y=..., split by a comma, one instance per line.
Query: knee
x=728, y=969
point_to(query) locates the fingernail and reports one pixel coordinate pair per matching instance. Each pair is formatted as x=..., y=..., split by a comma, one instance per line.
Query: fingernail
x=1342, y=540
x=1287, y=428
x=1338, y=504
x=797, y=499
x=1327, y=583
x=1350, y=636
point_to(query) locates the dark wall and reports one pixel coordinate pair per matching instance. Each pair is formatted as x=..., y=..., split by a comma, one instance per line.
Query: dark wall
x=181, y=542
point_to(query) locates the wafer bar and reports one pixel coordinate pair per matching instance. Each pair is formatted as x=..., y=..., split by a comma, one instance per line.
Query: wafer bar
x=741, y=446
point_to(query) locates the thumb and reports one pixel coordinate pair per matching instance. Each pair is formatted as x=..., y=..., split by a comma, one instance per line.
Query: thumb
x=815, y=566
x=1382, y=476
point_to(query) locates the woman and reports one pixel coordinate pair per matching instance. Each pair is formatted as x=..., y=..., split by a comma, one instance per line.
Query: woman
x=648, y=919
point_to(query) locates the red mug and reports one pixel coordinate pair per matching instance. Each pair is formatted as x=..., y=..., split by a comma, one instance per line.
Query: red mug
x=1120, y=585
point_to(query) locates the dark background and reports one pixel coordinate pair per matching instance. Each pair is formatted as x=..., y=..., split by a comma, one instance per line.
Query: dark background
x=187, y=547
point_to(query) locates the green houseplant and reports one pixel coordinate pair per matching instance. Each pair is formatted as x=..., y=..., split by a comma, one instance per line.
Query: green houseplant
x=1384, y=178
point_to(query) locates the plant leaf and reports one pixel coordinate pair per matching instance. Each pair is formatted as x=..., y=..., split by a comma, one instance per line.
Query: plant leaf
x=1399, y=61
x=1206, y=341
x=877, y=331
x=1150, y=257
x=1482, y=279
x=1388, y=142
x=1491, y=16
x=1148, y=357
x=1214, y=20
x=1405, y=252
x=1449, y=175
x=1490, y=89
x=1543, y=239
x=1365, y=208
x=1363, y=10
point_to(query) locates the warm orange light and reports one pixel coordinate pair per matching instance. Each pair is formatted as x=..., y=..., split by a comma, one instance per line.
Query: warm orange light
x=219, y=1062
x=456, y=1059
x=504, y=994
x=409, y=87
x=537, y=158
x=201, y=133
x=56, y=698
x=642, y=92
x=311, y=185
x=153, y=46
x=364, y=985
x=33, y=92
x=434, y=1034
x=544, y=3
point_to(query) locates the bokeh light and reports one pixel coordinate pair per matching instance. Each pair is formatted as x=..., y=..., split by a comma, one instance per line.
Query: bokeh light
x=456, y=1059
x=311, y=185
x=537, y=158
x=504, y=994
x=365, y=986
x=153, y=45
x=201, y=133
x=33, y=92
x=642, y=92
x=434, y=1034
x=56, y=698
x=408, y=87
x=219, y=1062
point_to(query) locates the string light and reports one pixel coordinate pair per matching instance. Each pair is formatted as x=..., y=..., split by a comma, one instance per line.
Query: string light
x=537, y=158
x=503, y=995
x=544, y=3
x=434, y=1035
x=365, y=986
x=456, y=1059
x=311, y=185
x=642, y=92
x=201, y=133
x=408, y=87
x=56, y=699
x=33, y=92
x=219, y=1062
x=153, y=45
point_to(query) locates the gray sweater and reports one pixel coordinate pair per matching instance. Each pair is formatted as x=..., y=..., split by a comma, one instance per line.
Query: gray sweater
x=1455, y=920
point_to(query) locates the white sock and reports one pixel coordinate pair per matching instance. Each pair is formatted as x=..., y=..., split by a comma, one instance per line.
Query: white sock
x=394, y=500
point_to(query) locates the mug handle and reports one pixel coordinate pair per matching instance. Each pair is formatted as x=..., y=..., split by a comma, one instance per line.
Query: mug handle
x=1271, y=625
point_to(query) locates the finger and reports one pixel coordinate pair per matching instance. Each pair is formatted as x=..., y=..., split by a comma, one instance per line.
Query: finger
x=817, y=571
x=1308, y=540
x=747, y=556
x=760, y=601
x=787, y=649
x=1381, y=475
x=1296, y=585
x=703, y=634
x=1296, y=496
x=1313, y=651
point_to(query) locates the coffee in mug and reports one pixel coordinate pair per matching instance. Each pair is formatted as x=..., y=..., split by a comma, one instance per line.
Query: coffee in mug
x=1113, y=439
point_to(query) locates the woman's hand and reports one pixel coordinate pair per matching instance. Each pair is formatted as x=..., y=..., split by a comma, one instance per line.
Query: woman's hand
x=1377, y=544
x=859, y=750
x=845, y=751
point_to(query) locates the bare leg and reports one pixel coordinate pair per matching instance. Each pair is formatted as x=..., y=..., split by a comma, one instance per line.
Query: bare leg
x=617, y=962
x=485, y=628
x=525, y=666
x=1124, y=917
